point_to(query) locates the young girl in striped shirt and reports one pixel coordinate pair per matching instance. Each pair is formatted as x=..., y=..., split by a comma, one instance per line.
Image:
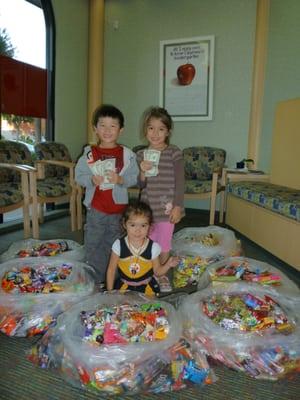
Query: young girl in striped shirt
x=164, y=191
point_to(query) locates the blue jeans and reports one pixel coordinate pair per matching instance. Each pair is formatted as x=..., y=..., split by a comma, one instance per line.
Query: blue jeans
x=101, y=230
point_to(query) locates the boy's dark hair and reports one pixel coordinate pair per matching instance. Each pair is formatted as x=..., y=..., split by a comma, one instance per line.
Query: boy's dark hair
x=159, y=113
x=108, y=110
x=137, y=207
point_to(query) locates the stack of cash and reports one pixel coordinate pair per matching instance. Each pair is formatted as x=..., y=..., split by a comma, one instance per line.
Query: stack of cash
x=102, y=168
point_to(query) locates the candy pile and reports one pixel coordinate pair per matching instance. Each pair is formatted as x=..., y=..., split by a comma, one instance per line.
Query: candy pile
x=42, y=278
x=188, y=271
x=198, y=248
x=208, y=239
x=44, y=248
x=239, y=269
x=246, y=312
x=34, y=291
x=125, y=323
x=123, y=344
x=248, y=328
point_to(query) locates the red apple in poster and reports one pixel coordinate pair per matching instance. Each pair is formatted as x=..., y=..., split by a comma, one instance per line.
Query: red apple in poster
x=185, y=74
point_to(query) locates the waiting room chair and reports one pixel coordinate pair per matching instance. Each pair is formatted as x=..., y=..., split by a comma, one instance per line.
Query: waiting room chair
x=54, y=182
x=15, y=171
x=202, y=169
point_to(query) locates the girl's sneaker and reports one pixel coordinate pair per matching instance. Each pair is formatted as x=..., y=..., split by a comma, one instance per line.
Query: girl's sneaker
x=164, y=284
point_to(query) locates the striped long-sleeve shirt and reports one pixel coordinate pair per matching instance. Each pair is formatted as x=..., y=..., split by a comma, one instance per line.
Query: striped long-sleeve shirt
x=166, y=190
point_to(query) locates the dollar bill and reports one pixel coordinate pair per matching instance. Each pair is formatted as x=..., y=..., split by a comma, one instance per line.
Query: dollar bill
x=102, y=168
x=153, y=156
x=107, y=166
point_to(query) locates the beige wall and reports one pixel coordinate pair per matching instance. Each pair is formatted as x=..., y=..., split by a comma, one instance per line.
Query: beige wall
x=131, y=64
x=282, y=70
x=71, y=18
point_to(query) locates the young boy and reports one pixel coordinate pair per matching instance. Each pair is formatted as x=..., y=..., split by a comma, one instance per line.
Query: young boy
x=105, y=170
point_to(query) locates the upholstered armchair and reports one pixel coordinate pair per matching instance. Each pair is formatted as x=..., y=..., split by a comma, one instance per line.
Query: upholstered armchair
x=15, y=169
x=203, y=168
x=55, y=178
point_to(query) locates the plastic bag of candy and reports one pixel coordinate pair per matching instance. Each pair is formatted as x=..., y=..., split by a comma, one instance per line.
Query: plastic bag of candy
x=34, y=291
x=62, y=248
x=249, y=270
x=198, y=248
x=121, y=343
x=249, y=328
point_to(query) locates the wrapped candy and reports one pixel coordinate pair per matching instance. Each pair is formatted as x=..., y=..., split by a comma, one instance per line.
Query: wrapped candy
x=44, y=248
x=122, y=343
x=198, y=248
x=248, y=328
x=34, y=291
x=243, y=269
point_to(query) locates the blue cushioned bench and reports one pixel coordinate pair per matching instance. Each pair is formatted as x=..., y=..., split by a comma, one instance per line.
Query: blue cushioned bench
x=279, y=199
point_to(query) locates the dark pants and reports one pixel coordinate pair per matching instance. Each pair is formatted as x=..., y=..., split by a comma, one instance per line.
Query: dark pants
x=101, y=230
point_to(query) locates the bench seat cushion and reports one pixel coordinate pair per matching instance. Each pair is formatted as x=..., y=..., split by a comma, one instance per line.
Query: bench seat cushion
x=279, y=199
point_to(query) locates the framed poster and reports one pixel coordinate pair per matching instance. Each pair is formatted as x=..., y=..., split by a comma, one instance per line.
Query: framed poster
x=186, y=78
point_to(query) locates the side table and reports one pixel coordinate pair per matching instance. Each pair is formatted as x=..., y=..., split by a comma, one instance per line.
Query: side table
x=233, y=174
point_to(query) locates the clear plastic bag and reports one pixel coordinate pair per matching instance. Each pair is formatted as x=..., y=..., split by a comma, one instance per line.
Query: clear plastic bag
x=198, y=248
x=35, y=290
x=244, y=269
x=63, y=248
x=80, y=348
x=260, y=336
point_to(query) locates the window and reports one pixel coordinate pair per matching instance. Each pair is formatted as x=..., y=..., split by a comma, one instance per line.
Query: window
x=30, y=34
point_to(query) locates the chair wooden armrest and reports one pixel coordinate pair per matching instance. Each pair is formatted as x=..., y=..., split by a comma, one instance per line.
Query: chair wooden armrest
x=67, y=164
x=15, y=167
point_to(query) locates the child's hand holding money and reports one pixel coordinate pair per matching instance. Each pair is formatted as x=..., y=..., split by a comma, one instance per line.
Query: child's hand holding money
x=152, y=157
x=97, y=180
x=146, y=165
x=114, y=178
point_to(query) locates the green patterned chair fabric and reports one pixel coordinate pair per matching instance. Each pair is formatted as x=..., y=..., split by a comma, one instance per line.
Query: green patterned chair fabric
x=53, y=187
x=279, y=199
x=10, y=193
x=53, y=151
x=199, y=164
x=12, y=152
